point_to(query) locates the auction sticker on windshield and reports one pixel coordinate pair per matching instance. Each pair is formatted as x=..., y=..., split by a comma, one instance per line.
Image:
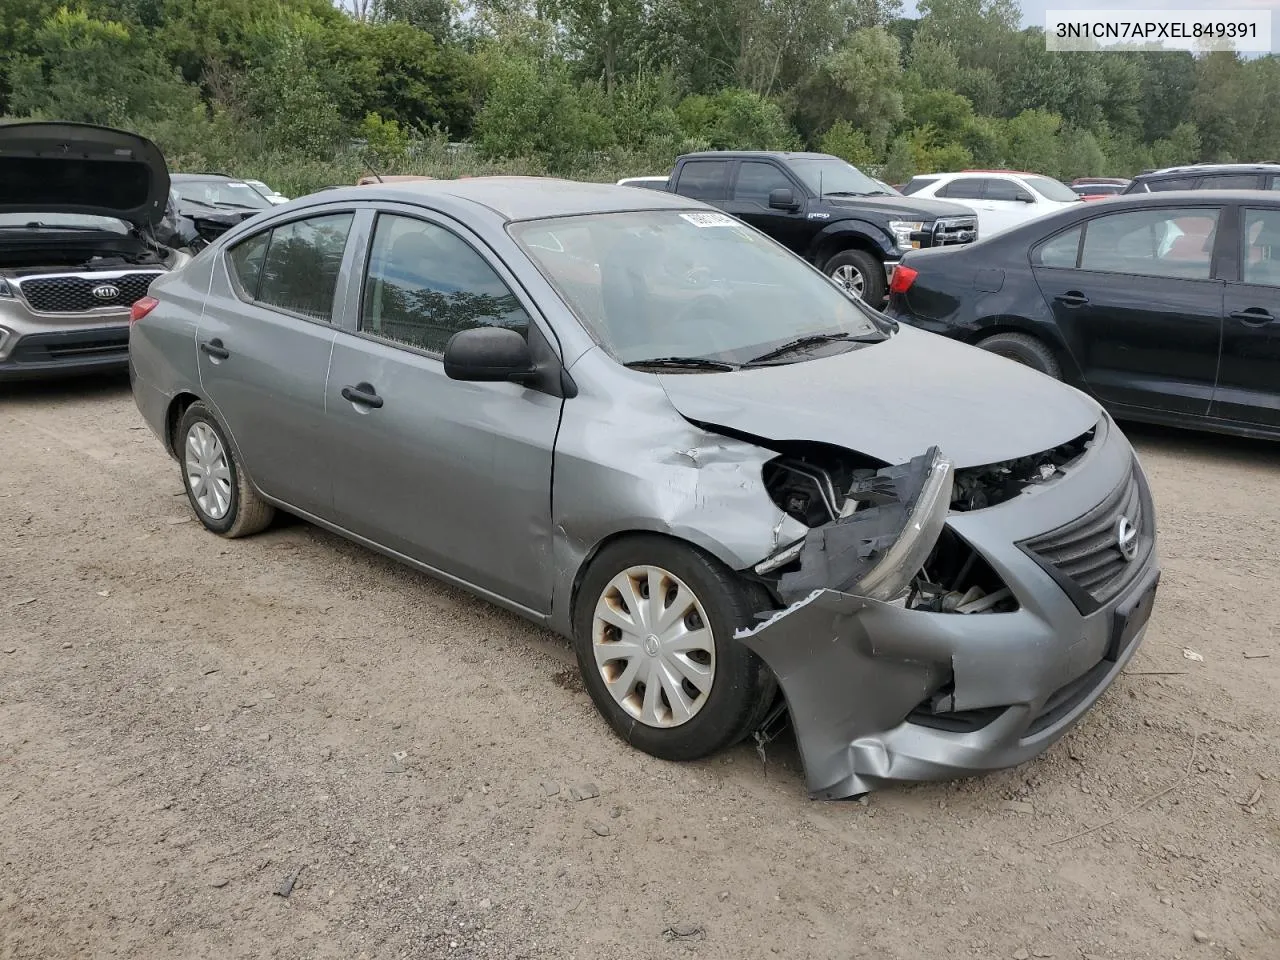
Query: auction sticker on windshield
x=710, y=219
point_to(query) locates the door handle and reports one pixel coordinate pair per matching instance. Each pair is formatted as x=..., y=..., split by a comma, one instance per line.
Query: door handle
x=1072, y=298
x=215, y=349
x=364, y=394
x=1254, y=316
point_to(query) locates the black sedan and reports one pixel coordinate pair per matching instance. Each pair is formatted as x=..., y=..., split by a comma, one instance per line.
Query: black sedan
x=1165, y=307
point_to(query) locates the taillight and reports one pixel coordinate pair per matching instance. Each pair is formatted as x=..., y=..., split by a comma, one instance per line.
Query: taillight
x=902, y=279
x=144, y=306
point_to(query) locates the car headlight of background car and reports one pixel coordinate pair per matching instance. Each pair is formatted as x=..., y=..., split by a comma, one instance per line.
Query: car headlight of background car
x=902, y=231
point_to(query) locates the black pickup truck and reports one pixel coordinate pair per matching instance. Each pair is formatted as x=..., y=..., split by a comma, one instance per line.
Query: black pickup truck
x=824, y=209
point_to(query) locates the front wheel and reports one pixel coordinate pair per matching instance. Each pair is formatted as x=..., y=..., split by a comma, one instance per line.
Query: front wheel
x=861, y=275
x=653, y=633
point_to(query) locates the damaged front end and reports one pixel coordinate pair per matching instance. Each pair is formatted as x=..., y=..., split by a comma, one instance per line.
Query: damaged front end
x=886, y=672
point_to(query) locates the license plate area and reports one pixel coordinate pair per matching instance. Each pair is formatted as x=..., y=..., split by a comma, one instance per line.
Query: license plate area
x=1129, y=619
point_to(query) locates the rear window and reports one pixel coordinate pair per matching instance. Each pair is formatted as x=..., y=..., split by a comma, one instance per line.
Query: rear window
x=1174, y=183
x=1232, y=181
x=916, y=184
x=302, y=263
x=704, y=180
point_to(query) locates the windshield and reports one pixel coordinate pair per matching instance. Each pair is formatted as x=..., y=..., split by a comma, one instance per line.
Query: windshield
x=687, y=284
x=828, y=175
x=1050, y=189
x=221, y=193
x=63, y=221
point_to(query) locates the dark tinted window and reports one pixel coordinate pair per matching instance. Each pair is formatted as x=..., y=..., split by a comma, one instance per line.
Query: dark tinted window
x=1231, y=181
x=998, y=189
x=1262, y=247
x=1061, y=251
x=966, y=188
x=757, y=180
x=246, y=259
x=1153, y=243
x=303, y=261
x=1177, y=183
x=424, y=284
x=915, y=184
x=704, y=180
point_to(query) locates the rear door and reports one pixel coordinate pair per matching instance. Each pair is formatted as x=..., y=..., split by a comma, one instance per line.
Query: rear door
x=749, y=201
x=705, y=180
x=263, y=346
x=1249, y=380
x=1135, y=297
x=454, y=475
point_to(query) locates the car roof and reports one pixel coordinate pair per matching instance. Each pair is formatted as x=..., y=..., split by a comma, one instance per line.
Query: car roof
x=755, y=154
x=1202, y=168
x=523, y=198
x=194, y=177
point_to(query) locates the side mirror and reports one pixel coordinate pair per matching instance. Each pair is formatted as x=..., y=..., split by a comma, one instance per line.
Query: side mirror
x=783, y=199
x=488, y=355
x=1026, y=198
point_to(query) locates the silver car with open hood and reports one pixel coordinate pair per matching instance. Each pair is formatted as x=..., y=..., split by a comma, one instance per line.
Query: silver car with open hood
x=78, y=208
x=743, y=494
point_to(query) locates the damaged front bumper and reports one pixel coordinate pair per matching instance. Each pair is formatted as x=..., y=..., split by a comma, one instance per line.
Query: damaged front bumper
x=880, y=692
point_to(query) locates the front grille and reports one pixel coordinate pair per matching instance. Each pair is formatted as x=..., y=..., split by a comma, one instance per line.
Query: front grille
x=953, y=230
x=1084, y=555
x=75, y=294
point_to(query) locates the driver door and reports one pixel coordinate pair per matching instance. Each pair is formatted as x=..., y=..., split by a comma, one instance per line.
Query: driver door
x=749, y=201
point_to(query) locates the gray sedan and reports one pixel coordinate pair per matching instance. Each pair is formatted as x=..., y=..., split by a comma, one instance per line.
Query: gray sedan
x=633, y=419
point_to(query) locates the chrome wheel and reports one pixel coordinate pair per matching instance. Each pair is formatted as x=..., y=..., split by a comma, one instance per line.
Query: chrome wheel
x=207, y=471
x=653, y=646
x=849, y=277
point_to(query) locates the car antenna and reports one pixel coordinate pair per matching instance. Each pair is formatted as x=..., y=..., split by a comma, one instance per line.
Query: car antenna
x=376, y=174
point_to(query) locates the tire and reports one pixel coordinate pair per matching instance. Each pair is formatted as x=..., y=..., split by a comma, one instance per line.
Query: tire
x=858, y=264
x=740, y=689
x=227, y=504
x=1024, y=349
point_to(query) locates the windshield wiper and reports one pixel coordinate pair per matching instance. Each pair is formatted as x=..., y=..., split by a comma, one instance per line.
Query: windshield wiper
x=37, y=225
x=689, y=363
x=845, y=193
x=812, y=340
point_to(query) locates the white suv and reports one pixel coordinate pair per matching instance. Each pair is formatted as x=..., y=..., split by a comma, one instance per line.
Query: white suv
x=1001, y=198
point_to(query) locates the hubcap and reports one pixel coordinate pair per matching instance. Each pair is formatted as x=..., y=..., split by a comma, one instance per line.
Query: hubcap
x=849, y=277
x=207, y=471
x=653, y=646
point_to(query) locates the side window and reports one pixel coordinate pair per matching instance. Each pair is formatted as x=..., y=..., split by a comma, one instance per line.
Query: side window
x=1154, y=243
x=245, y=260
x=1273, y=183
x=704, y=180
x=302, y=263
x=966, y=188
x=1235, y=181
x=1000, y=189
x=1061, y=251
x=916, y=184
x=757, y=180
x=1178, y=183
x=424, y=284
x=1262, y=247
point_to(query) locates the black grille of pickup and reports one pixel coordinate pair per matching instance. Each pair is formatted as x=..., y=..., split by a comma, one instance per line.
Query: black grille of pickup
x=954, y=230
x=1085, y=553
x=76, y=294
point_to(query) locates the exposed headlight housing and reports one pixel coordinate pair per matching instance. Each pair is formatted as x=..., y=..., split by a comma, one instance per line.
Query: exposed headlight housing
x=6, y=290
x=902, y=231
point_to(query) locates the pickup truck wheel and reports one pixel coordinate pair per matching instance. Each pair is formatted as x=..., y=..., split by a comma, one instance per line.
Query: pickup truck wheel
x=859, y=273
x=1024, y=349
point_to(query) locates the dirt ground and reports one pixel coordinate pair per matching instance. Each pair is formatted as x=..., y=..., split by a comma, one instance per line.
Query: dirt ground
x=186, y=722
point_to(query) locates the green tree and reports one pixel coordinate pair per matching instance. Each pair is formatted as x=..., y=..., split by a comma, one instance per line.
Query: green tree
x=736, y=119
x=860, y=82
x=1031, y=141
x=843, y=141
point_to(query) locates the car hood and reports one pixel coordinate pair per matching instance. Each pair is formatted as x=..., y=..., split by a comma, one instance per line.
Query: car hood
x=82, y=169
x=894, y=400
x=910, y=208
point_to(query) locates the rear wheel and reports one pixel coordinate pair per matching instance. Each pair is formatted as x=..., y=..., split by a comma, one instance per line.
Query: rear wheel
x=1024, y=349
x=859, y=273
x=219, y=492
x=653, y=633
